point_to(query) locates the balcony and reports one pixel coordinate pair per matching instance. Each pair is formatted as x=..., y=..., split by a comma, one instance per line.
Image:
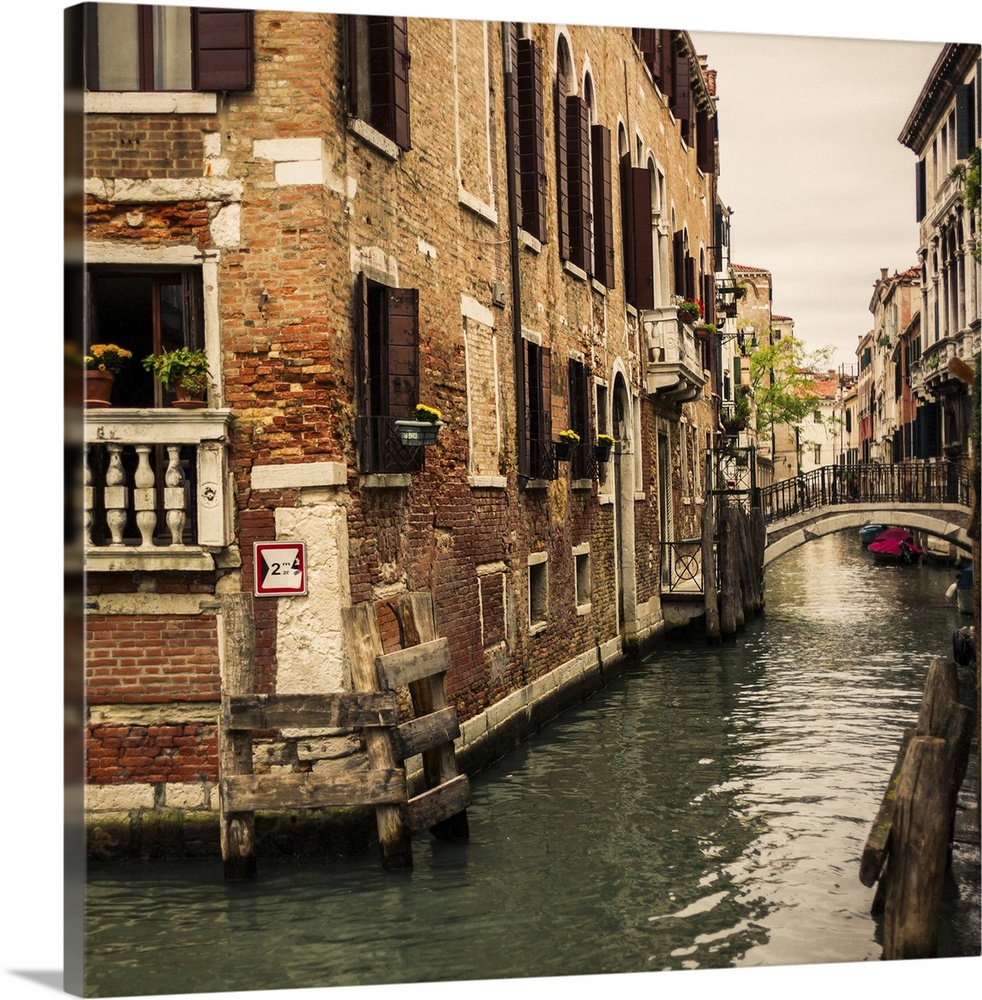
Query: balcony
x=157, y=494
x=674, y=368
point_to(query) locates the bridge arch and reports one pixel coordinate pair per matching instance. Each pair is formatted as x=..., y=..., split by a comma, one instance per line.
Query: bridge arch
x=946, y=521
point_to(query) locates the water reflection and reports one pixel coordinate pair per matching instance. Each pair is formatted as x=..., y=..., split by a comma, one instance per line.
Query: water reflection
x=707, y=810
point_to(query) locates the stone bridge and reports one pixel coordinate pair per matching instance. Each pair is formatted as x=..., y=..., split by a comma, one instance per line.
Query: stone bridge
x=948, y=521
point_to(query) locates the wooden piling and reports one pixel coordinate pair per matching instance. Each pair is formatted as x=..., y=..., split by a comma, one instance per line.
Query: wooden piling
x=940, y=693
x=709, y=586
x=918, y=854
x=731, y=603
x=237, y=638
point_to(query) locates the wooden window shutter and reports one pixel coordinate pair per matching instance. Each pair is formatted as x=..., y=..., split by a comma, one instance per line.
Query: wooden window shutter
x=705, y=141
x=222, y=51
x=532, y=147
x=647, y=42
x=388, y=68
x=513, y=116
x=665, y=76
x=709, y=298
x=678, y=260
x=682, y=95
x=545, y=369
x=562, y=177
x=920, y=190
x=639, y=261
x=690, y=277
x=964, y=120
x=578, y=165
x=603, y=206
x=402, y=352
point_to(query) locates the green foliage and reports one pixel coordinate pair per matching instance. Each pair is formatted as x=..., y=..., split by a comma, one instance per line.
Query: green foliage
x=182, y=366
x=781, y=382
x=971, y=196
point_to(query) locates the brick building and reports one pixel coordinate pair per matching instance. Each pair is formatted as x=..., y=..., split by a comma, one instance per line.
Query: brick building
x=351, y=215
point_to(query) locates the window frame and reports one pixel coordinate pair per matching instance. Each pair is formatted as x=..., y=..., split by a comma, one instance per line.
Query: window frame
x=377, y=47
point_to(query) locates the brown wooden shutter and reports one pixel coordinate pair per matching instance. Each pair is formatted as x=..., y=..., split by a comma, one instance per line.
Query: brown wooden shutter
x=639, y=266
x=603, y=206
x=222, y=52
x=365, y=427
x=690, y=277
x=578, y=165
x=964, y=120
x=647, y=42
x=562, y=176
x=709, y=298
x=545, y=367
x=532, y=149
x=402, y=352
x=665, y=77
x=678, y=261
x=920, y=190
x=388, y=68
x=682, y=96
x=705, y=141
x=350, y=22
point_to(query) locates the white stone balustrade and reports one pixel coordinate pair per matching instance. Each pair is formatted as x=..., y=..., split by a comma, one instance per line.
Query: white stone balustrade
x=674, y=365
x=177, y=519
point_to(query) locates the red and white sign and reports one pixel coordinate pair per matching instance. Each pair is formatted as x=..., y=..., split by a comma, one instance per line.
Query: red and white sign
x=280, y=569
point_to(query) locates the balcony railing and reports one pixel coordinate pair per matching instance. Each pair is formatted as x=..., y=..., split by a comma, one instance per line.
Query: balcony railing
x=674, y=367
x=681, y=566
x=156, y=491
x=382, y=451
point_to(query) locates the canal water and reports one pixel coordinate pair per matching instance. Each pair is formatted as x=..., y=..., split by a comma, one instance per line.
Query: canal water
x=707, y=810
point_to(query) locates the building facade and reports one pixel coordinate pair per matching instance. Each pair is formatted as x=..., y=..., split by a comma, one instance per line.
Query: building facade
x=943, y=132
x=351, y=215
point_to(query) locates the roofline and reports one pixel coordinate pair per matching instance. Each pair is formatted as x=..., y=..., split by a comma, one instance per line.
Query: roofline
x=949, y=68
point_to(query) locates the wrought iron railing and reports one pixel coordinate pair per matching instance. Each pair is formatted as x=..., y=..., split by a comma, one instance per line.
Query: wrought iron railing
x=681, y=566
x=381, y=450
x=906, y=482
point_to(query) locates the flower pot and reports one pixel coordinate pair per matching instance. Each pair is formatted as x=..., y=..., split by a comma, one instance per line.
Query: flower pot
x=415, y=433
x=564, y=451
x=601, y=452
x=185, y=400
x=98, y=387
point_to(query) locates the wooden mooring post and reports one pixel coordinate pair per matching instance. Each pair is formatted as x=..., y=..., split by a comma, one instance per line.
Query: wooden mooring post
x=373, y=707
x=908, y=848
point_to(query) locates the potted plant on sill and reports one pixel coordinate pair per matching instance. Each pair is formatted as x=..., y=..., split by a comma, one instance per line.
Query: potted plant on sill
x=601, y=450
x=568, y=440
x=183, y=371
x=102, y=364
x=689, y=309
x=423, y=429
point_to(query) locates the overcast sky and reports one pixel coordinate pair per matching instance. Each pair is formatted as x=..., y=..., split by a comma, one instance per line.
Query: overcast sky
x=822, y=191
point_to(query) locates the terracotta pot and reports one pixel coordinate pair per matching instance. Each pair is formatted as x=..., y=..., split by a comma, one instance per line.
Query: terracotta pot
x=185, y=400
x=98, y=388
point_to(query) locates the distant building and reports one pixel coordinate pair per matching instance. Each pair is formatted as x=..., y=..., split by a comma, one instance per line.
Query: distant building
x=943, y=130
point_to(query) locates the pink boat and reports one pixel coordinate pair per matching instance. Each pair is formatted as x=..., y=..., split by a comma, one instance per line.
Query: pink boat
x=895, y=545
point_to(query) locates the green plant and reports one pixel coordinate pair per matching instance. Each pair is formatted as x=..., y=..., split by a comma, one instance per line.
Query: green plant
x=605, y=441
x=708, y=327
x=427, y=414
x=569, y=437
x=106, y=358
x=689, y=308
x=182, y=367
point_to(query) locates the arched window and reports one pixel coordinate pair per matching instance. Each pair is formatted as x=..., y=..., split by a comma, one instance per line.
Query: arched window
x=563, y=70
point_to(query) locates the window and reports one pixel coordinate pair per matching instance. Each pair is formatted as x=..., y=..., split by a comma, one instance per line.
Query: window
x=639, y=263
x=388, y=369
x=705, y=140
x=538, y=420
x=538, y=591
x=140, y=47
x=578, y=184
x=584, y=577
x=578, y=377
x=147, y=311
x=531, y=139
x=562, y=173
x=378, y=74
x=603, y=206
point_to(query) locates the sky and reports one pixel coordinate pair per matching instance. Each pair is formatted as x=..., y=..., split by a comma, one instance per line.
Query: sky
x=790, y=199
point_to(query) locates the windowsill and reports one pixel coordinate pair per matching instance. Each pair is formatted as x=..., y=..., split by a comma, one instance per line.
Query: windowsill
x=488, y=482
x=598, y=286
x=584, y=609
x=574, y=271
x=538, y=484
x=640, y=495
x=478, y=207
x=535, y=628
x=159, y=102
x=581, y=484
x=385, y=480
x=529, y=241
x=605, y=499
x=374, y=138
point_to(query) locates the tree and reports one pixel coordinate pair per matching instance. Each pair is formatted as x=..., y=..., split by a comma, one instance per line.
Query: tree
x=782, y=377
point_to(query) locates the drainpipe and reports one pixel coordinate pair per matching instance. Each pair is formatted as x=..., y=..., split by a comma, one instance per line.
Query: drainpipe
x=511, y=112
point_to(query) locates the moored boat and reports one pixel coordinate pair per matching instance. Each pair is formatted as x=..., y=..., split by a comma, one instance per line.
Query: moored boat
x=961, y=591
x=895, y=545
x=868, y=532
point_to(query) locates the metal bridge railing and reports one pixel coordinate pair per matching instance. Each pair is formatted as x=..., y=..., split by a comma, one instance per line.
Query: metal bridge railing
x=830, y=485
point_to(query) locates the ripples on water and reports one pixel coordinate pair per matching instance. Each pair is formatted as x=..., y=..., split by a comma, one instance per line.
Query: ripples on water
x=707, y=810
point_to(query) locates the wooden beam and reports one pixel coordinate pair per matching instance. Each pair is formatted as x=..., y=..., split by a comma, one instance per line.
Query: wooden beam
x=418, y=735
x=878, y=842
x=338, y=710
x=414, y=663
x=364, y=643
x=439, y=805
x=251, y=792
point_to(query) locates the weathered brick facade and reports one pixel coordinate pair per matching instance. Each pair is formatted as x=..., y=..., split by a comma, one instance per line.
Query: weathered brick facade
x=283, y=205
